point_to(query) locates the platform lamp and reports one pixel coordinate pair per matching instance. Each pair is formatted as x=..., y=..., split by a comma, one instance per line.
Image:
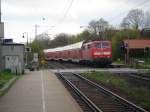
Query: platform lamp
x=27, y=45
x=26, y=35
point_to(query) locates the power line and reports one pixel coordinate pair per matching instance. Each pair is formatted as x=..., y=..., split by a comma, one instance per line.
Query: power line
x=119, y=15
x=65, y=6
x=66, y=13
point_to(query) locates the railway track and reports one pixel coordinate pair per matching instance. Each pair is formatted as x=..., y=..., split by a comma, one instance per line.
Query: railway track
x=69, y=65
x=64, y=65
x=136, y=79
x=97, y=98
x=56, y=65
x=140, y=76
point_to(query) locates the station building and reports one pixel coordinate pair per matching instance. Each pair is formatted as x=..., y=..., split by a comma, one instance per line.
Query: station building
x=11, y=54
x=138, y=48
x=13, y=57
x=1, y=37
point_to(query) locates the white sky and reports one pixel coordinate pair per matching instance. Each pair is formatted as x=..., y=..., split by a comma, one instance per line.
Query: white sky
x=22, y=15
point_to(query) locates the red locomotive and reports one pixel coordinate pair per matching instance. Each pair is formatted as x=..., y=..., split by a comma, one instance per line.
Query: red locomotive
x=99, y=52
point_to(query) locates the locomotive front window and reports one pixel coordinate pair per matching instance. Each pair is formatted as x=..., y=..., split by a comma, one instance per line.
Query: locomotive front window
x=105, y=45
x=98, y=45
x=88, y=46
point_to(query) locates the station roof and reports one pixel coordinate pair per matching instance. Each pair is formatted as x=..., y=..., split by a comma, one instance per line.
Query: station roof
x=137, y=44
x=68, y=47
x=12, y=44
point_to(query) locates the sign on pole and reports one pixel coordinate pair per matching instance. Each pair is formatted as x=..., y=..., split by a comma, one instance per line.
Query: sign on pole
x=35, y=57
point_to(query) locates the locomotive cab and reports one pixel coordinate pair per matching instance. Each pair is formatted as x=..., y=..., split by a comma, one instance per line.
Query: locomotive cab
x=102, y=52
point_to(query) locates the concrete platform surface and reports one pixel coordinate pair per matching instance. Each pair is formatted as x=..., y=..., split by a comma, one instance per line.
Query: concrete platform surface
x=38, y=91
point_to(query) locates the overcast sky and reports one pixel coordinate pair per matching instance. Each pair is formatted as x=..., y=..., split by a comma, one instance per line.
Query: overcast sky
x=22, y=15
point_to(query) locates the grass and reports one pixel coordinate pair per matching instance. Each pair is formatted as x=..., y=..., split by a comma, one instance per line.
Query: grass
x=5, y=77
x=118, y=61
x=141, y=94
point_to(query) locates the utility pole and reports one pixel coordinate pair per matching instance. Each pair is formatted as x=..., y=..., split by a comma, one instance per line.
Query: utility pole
x=36, y=31
x=0, y=40
x=0, y=11
x=36, y=28
x=1, y=25
x=128, y=45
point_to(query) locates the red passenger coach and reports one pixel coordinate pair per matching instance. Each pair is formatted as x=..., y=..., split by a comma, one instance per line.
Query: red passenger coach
x=99, y=52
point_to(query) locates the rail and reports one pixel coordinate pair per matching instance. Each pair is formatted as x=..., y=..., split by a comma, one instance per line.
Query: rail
x=111, y=95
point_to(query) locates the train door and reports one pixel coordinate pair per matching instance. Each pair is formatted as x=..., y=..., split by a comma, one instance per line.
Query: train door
x=86, y=52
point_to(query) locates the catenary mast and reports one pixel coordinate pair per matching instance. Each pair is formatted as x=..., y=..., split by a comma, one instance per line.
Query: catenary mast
x=0, y=11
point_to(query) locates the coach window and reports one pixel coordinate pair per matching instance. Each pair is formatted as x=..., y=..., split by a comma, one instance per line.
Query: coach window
x=99, y=45
x=83, y=47
x=88, y=46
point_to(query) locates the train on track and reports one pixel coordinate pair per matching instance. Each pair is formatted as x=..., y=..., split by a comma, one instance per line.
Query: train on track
x=95, y=52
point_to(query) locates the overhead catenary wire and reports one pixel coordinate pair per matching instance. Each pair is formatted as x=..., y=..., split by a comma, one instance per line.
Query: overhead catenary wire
x=62, y=11
x=123, y=13
x=64, y=15
x=114, y=18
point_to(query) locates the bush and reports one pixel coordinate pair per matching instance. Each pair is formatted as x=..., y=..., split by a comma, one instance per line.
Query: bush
x=118, y=37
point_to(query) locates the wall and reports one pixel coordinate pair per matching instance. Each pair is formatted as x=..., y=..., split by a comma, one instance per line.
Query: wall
x=0, y=56
x=1, y=36
x=1, y=30
x=13, y=50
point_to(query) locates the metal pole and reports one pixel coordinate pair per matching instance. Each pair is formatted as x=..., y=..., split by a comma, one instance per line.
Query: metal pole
x=27, y=39
x=27, y=45
x=30, y=40
x=128, y=46
x=36, y=26
x=36, y=31
x=0, y=41
x=128, y=50
x=0, y=11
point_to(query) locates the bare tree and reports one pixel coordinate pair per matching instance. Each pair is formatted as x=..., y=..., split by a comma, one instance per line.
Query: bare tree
x=93, y=26
x=99, y=27
x=125, y=24
x=102, y=27
x=134, y=18
x=147, y=20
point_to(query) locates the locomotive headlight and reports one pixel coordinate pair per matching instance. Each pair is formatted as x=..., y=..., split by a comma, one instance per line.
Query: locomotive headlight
x=98, y=53
x=102, y=53
x=106, y=53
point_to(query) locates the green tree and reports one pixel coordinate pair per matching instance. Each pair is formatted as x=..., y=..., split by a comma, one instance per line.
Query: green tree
x=85, y=35
x=39, y=44
x=100, y=28
x=118, y=37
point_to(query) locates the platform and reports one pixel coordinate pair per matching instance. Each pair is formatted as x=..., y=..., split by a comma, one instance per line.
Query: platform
x=38, y=91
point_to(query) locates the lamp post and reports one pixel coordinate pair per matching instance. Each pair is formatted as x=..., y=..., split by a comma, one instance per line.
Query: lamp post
x=26, y=35
x=128, y=46
x=26, y=63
